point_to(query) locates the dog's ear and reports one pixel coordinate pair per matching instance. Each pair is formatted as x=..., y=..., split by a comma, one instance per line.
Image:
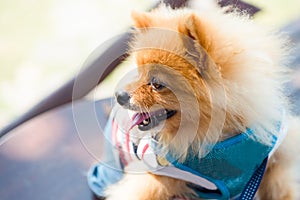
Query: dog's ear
x=195, y=41
x=141, y=19
x=192, y=27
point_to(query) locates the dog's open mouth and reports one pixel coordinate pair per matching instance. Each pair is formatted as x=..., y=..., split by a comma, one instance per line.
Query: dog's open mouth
x=147, y=121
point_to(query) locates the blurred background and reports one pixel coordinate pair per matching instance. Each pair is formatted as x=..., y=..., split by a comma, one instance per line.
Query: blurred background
x=44, y=43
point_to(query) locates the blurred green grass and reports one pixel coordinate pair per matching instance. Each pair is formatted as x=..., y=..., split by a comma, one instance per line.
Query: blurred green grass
x=277, y=13
x=44, y=43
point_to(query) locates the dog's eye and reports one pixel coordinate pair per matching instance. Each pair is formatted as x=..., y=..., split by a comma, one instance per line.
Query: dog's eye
x=156, y=85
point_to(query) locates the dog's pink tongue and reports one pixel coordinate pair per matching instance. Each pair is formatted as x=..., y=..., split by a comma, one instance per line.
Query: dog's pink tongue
x=138, y=118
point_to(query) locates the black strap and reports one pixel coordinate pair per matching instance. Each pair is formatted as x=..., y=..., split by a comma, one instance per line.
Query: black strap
x=253, y=184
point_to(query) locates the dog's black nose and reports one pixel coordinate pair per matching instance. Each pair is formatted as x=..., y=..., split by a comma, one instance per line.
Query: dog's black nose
x=122, y=97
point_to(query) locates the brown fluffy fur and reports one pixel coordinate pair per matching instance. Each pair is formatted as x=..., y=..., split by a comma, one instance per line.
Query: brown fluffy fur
x=240, y=87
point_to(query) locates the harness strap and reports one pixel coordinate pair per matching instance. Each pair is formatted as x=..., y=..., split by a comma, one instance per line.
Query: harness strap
x=253, y=184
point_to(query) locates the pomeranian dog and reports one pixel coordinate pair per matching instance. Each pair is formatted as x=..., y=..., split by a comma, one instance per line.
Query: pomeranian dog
x=206, y=76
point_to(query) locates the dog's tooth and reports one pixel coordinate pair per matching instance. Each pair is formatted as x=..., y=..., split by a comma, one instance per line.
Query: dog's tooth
x=145, y=122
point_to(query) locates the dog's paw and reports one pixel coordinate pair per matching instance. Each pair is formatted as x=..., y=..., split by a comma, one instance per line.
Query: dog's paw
x=147, y=187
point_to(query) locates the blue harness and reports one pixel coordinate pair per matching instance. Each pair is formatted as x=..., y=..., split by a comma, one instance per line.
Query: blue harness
x=233, y=169
x=236, y=166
